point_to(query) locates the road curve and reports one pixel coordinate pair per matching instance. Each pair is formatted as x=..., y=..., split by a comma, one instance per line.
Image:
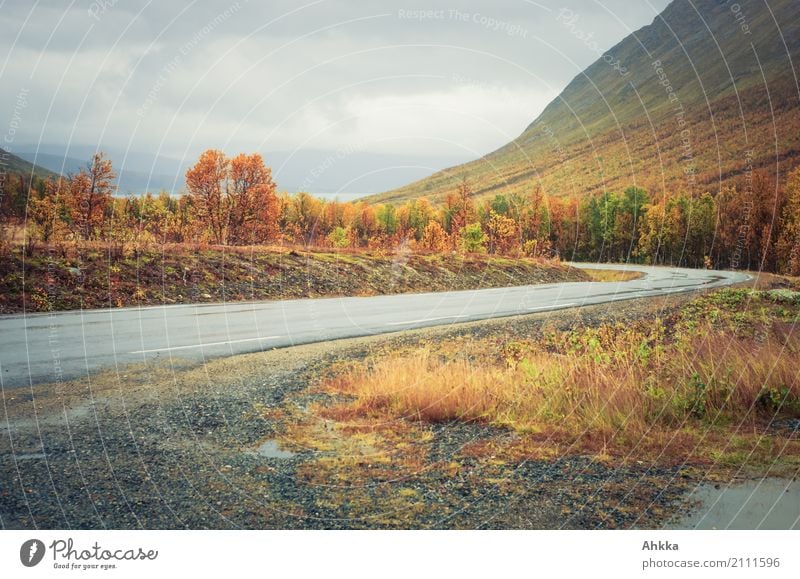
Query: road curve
x=37, y=348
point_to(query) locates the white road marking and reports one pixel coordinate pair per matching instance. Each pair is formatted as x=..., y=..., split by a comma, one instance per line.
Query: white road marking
x=207, y=344
x=569, y=305
x=427, y=320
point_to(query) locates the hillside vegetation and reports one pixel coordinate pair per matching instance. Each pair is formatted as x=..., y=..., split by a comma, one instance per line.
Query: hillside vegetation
x=10, y=164
x=709, y=91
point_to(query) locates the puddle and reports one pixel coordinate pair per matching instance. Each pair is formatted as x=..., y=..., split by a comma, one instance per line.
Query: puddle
x=30, y=456
x=21, y=456
x=270, y=449
x=772, y=503
x=79, y=412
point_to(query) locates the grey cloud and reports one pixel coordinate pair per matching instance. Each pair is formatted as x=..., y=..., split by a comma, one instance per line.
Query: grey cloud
x=452, y=81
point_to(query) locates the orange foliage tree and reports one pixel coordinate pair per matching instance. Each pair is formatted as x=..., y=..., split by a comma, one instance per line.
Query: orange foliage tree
x=235, y=198
x=89, y=195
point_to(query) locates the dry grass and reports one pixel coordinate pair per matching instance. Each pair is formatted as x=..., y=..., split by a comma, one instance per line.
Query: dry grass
x=612, y=274
x=607, y=381
x=767, y=281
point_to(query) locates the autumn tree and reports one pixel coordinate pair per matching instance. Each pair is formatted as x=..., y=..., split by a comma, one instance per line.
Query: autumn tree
x=207, y=183
x=651, y=235
x=181, y=221
x=788, y=245
x=700, y=230
x=747, y=216
x=558, y=225
x=365, y=224
x=532, y=215
x=303, y=216
x=627, y=223
x=252, y=203
x=89, y=195
x=235, y=198
x=754, y=224
x=565, y=226
x=46, y=210
x=502, y=234
x=434, y=237
x=416, y=216
x=459, y=210
x=339, y=237
x=387, y=219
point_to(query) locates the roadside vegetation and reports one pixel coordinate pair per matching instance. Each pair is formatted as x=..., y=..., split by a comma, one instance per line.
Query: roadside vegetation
x=95, y=276
x=704, y=383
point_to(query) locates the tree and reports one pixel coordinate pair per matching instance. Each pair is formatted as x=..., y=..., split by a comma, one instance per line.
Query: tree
x=459, y=209
x=89, y=196
x=472, y=239
x=46, y=210
x=207, y=184
x=365, y=223
x=533, y=216
x=651, y=235
x=503, y=235
x=252, y=203
x=700, y=233
x=627, y=226
x=235, y=198
x=565, y=228
x=746, y=232
x=387, y=219
x=339, y=237
x=434, y=237
x=500, y=205
x=303, y=214
x=420, y=214
x=788, y=244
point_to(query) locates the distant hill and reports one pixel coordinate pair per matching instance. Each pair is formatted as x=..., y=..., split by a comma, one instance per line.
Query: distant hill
x=55, y=163
x=689, y=102
x=142, y=172
x=10, y=163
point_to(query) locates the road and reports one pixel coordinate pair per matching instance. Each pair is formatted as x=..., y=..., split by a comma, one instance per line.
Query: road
x=39, y=348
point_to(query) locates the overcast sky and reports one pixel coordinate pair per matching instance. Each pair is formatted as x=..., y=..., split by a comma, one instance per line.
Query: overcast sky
x=430, y=80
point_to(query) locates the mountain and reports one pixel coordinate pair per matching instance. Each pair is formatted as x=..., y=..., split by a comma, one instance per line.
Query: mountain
x=140, y=172
x=690, y=102
x=56, y=163
x=10, y=163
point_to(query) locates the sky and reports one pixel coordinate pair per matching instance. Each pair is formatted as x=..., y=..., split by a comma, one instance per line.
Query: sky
x=339, y=97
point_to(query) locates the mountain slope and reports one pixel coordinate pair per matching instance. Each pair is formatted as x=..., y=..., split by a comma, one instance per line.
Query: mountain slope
x=708, y=89
x=11, y=164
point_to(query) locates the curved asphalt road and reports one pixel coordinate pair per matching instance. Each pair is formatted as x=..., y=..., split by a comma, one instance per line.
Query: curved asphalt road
x=38, y=348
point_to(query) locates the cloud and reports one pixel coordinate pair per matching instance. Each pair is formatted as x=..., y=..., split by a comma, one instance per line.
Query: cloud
x=464, y=76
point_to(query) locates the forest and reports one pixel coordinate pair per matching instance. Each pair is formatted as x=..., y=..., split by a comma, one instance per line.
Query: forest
x=753, y=224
